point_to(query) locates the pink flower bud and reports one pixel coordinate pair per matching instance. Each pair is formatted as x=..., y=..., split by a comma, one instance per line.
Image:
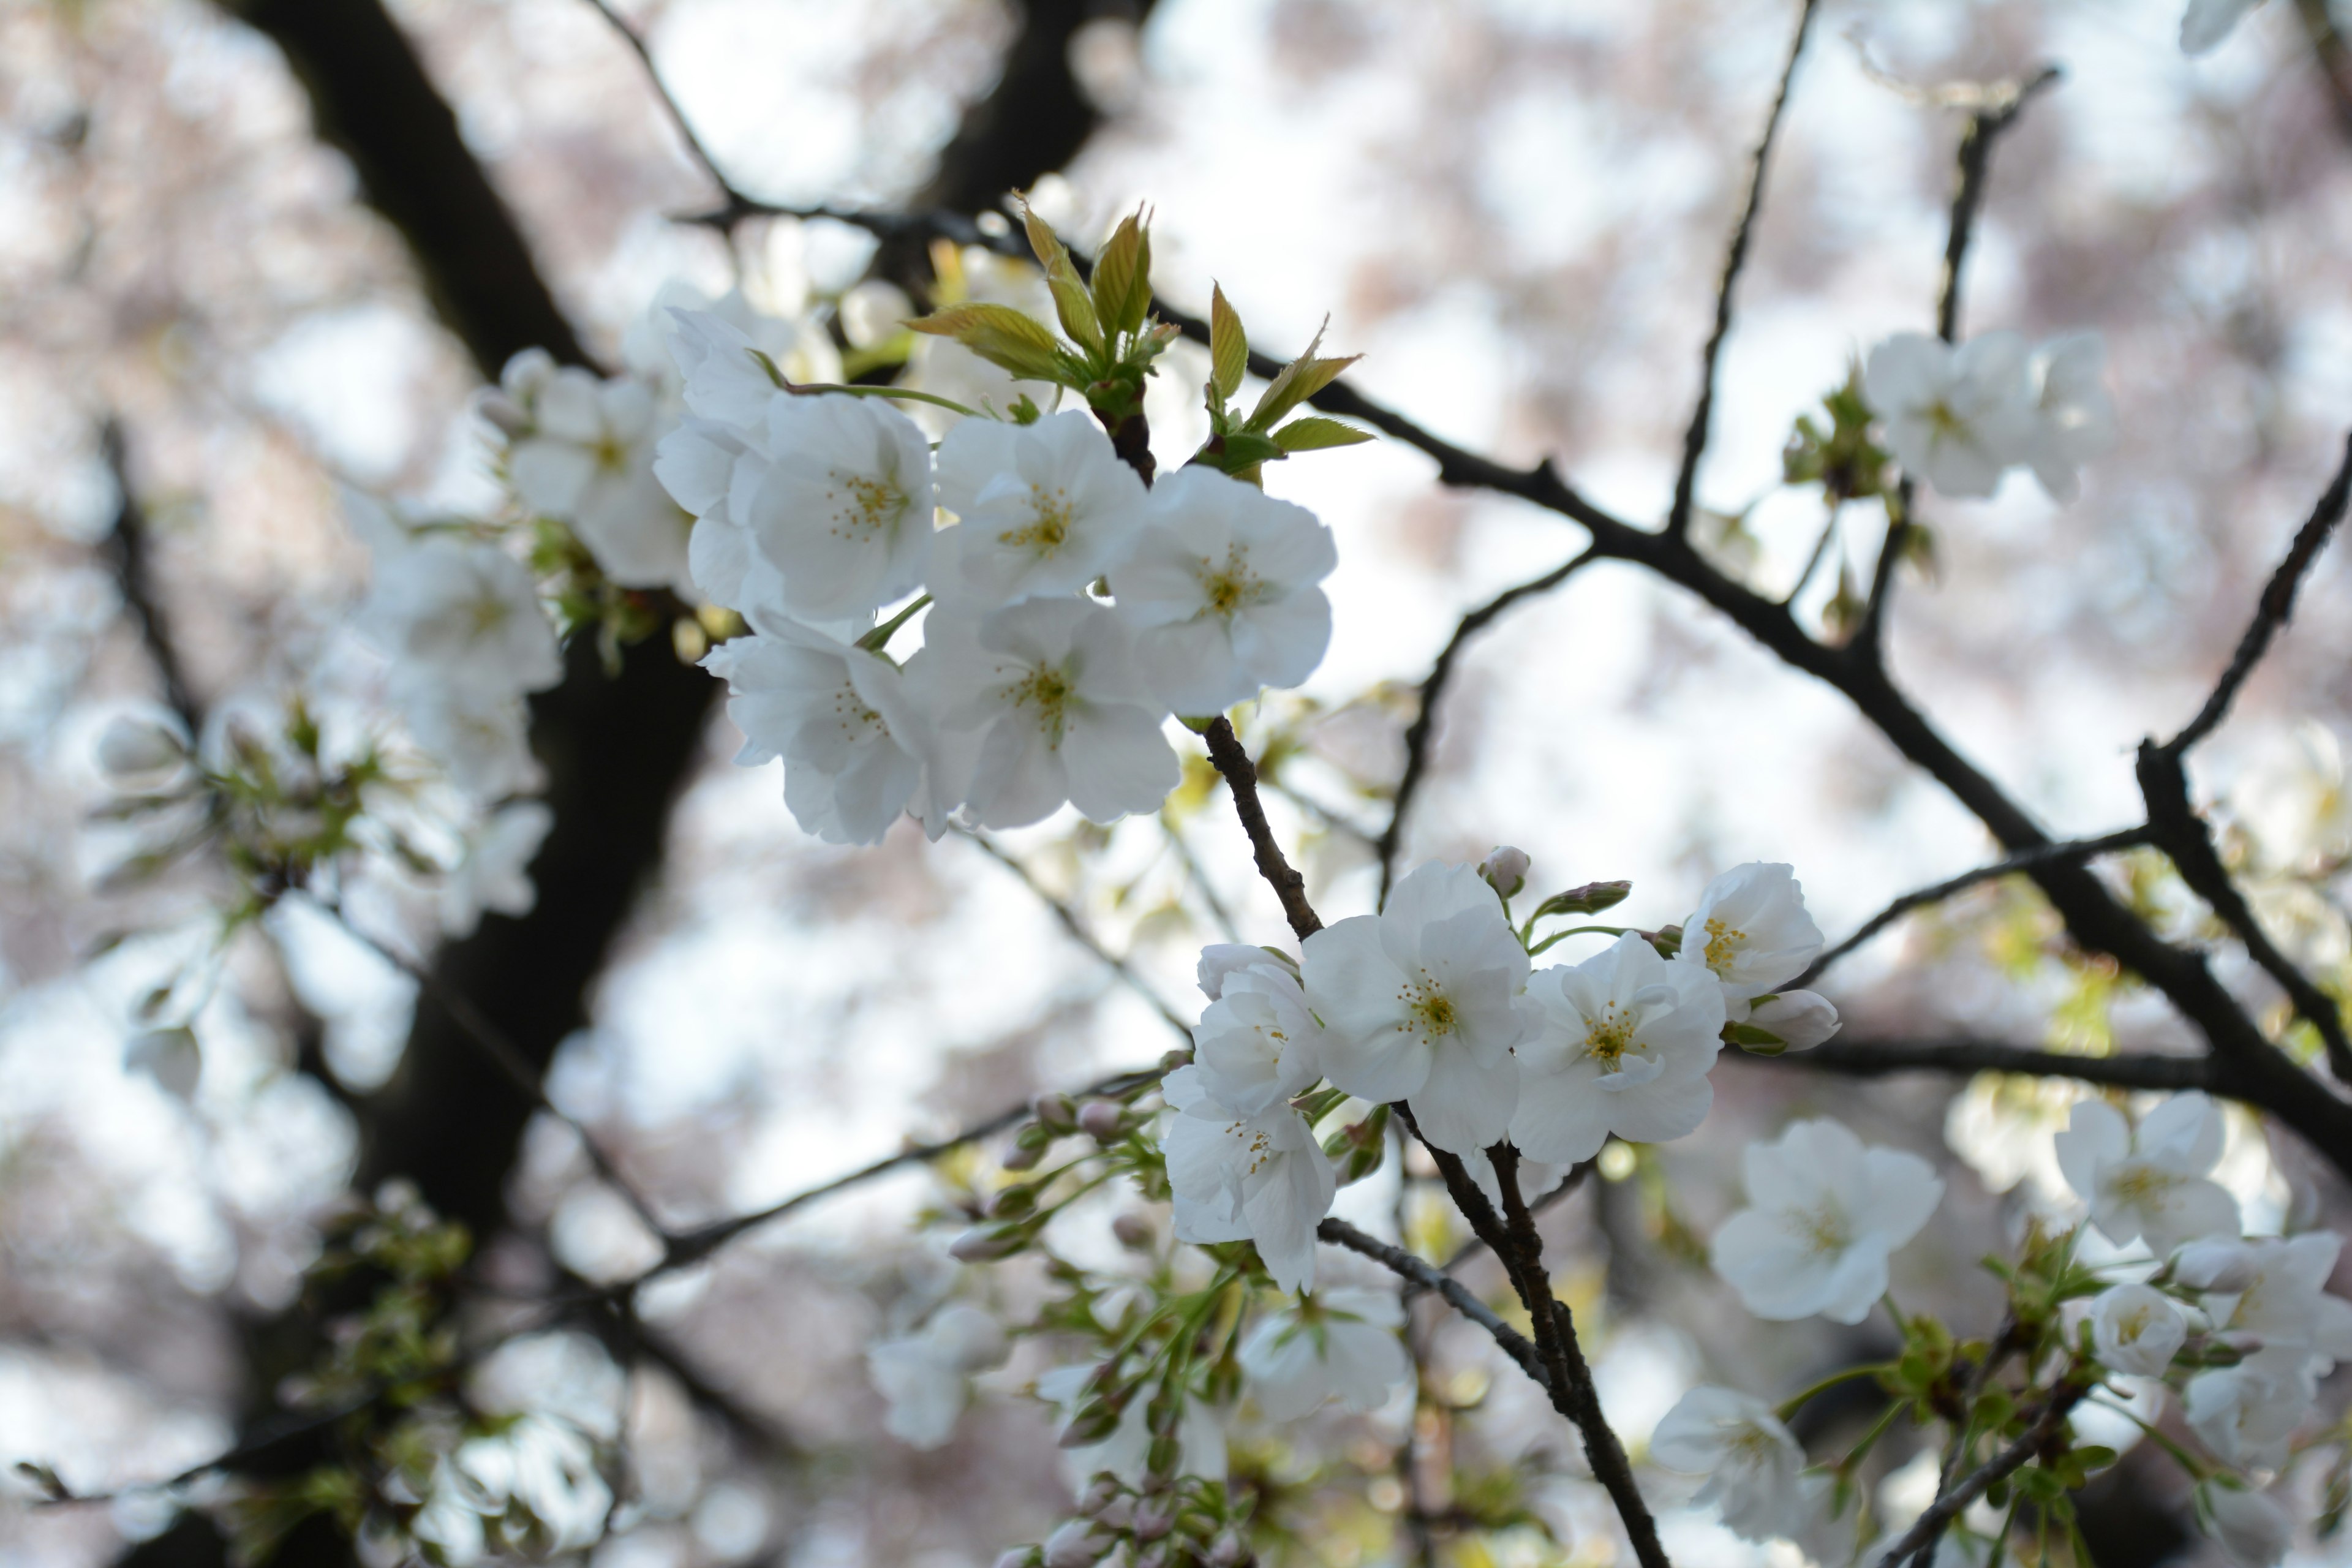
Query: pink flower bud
x=1017, y=1557
x=1155, y=1518
x=1101, y=1120
x=1228, y=1551
x=987, y=1244
x=1076, y=1544
x=1134, y=1231
x=1055, y=1113
x=1505, y=870
x=1022, y=1157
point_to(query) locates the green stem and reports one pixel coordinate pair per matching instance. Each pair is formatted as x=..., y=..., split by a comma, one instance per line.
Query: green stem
x=910, y=394
x=1576, y=931
x=879, y=637
x=1790, y=1406
x=2180, y=1456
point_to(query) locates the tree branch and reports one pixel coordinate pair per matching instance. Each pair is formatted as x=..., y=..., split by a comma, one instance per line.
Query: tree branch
x=1695, y=439
x=1226, y=751
x=1965, y=1058
x=1427, y=1276
x=2076, y=850
x=1417, y=736
x=126, y=546
x=1953, y=1504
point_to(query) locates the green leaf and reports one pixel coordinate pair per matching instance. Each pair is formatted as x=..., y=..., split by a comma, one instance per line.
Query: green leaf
x=1301, y=379
x=1123, y=276
x=1228, y=345
x=1005, y=338
x=1071, y=300
x=1314, y=434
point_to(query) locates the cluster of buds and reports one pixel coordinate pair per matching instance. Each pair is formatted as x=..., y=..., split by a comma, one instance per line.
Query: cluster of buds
x=1166, y=1524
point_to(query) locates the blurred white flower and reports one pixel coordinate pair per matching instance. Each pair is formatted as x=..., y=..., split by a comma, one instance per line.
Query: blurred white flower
x=1043, y=508
x=1221, y=588
x=2138, y=1329
x=1201, y=1437
x=2252, y=1529
x=2149, y=1183
x=2272, y=1294
x=495, y=873
x=1337, y=1344
x=1827, y=1213
x=1050, y=688
x=1955, y=417
x=2074, y=419
x=1260, y=1178
x=851, y=739
x=1754, y=1466
x=1421, y=1001
x=2293, y=799
x=140, y=753
x=2247, y=1413
x=925, y=1377
x=461, y=610
x=1618, y=1044
x=479, y=735
x=2207, y=22
x=585, y=458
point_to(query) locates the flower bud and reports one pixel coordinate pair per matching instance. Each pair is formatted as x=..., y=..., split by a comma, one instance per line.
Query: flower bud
x=1022, y=1157
x=1102, y=1120
x=1095, y=1420
x=1228, y=1551
x=1055, y=1113
x=504, y=413
x=1505, y=870
x=987, y=1243
x=1134, y=1231
x=1014, y=1202
x=1155, y=1518
x=1101, y=1494
x=1802, y=1019
x=138, y=752
x=1076, y=1543
x=1159, y=1554
x=1017, y=1557
x=2215, y=1264
x=1171, y=1060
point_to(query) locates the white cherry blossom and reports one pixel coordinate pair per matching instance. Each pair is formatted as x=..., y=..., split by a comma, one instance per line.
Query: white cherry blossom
x=479, y=734
x=1955, y=417
x=844, y=510
x=1262, y=1177
x=2207, y=22
x=1050, y=687
x=1222, y=960
x=852, y=741
x=2074, y=418
x=586, y=457
x=1043, y=508
x=1339, y=1343
x=1826, y=1214
x=494, y=874
x=1751, y=930
x=1421, y=1001
x=1618, y=1044
x=463, y=610
x=1221, y=587
x=2278, y=1303
x=2149, y=1183
x=1754, y=1466
x=2138, y=1329
x=1256, y=1044
x=2252, y=1529
x=925, y=1377
x=1800, y=1020
x=2248, y=1413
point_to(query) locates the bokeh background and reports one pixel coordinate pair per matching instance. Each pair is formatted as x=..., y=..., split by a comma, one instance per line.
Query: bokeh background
x=1515, y=210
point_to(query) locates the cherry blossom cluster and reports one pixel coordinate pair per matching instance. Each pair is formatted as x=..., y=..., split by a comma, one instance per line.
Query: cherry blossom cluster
x=2179, y=1305
x=1070, y=610
x=1960, y=416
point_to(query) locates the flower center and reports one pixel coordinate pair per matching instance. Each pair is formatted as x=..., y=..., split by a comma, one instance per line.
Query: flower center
x=1258, y=1147
x=1428, y=1010
x=1049, y=526
x=872, y=504
x=2139, y=1184
x=850, y=711
x=1947, y=425
x=1051, y=691
x=1231, y=587
x=612, y=455
x=1826, y=1228
x=1721, y=940
x=487, y=613
x=1609, y=1037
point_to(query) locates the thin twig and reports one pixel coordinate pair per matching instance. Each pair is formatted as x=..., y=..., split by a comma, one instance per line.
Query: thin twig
x=694, y=145
x=1405, y=1266
x=1199, y=878
x=1233, y=761
x=1084, y=938
x=2076, y=849
x=1695, y=439
x=126, y=548
x=1965, y=1058
x=1477, y=1245
x=1417, y=736
x=1952, y=1503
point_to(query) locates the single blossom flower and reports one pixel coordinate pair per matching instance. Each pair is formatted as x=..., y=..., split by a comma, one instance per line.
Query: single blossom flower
x=2276, y=1300
x=1262, y=1178
x=2252, y=1529
x=2149, y=1183
x=852, y=739
x=1256, y=1044
x=2248, y=1413
x=1221, y=587
x=1043, y=508
x=1826, y=1214
x=1337, y=1344
x=1957, y=417
x=1753, y=1464
x=1618, y=1044
x=925, y=1377
x=1222, y=960
x=461, y=610
x=2074, y=418
x=1050, y=688
x=1750, y=932
x=479, y=734
x=2138, y=1329
x=586, y=457
x=494, y=874
x=845, y=509
x=1421, y=1001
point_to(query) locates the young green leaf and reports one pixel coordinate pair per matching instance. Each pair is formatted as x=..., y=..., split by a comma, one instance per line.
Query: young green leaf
x=1228, y=345
x=1313, y=435
x=1123, y=276
x=1071, y=300
x=1004, y=337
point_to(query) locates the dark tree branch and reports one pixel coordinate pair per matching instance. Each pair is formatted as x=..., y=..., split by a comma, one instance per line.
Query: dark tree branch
x=1956, y=1500
x=1477, y=1245
x=1695, y=439
x=1964, y=1058
x=1426, y=1277
x=126, y=548
x=1226, y=751
x=1417, y=736
x=2002, y=106
x=2077, y=849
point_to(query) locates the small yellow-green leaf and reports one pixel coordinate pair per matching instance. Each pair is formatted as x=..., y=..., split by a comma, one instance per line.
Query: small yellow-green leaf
x=1300, y=380
x=1002, y=336
x=1071, y=300
x=1228, y=345
x=1123, y=276
x=1313, y=434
